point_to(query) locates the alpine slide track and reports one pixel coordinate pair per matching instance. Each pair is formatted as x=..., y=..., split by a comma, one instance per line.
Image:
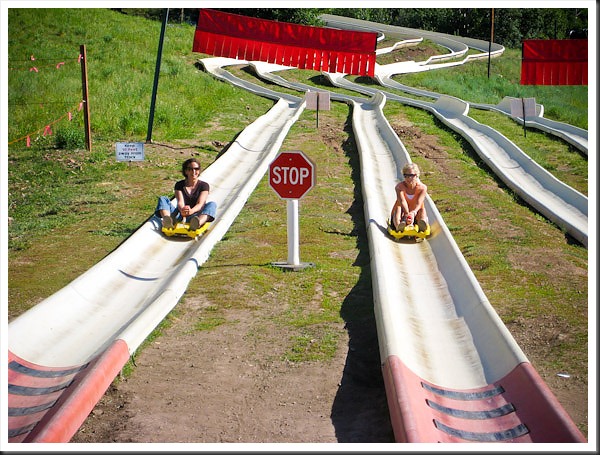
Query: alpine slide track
x=452, y=370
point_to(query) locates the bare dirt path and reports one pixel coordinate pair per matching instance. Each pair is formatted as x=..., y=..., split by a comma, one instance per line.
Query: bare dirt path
x=215, y=387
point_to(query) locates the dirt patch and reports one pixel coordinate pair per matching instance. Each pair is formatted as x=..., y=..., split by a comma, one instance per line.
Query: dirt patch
x=218, y=387
x=408, y=54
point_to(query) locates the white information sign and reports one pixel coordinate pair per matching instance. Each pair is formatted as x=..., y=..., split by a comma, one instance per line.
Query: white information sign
x=130, y=151
x=318, y=101
x=520, y=107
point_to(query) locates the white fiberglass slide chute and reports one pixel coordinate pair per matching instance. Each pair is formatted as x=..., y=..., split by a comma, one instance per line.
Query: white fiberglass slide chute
x=82, y=335
x=80, y=320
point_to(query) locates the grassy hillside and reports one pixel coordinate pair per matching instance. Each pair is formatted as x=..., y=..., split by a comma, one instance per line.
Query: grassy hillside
x=68, y=207
x=121, y=54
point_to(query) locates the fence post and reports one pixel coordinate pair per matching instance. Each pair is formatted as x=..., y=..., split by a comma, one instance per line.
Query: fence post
x=86, y=101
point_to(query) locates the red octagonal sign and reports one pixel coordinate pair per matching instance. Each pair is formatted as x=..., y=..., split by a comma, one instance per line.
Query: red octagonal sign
x=291, y=175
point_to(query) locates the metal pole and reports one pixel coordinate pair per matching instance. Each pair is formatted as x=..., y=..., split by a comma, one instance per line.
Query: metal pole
x=156, y=74
x=524, y=126
x=86, y=99
x=317, y=109
x=491, y=39
x=293, y=232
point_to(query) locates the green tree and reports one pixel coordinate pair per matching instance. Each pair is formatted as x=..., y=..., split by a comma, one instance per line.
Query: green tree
x=507, y=27
x=305, y=16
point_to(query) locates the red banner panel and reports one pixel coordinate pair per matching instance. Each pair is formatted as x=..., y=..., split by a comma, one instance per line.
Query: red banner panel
x=555, y=62
x=302, y=46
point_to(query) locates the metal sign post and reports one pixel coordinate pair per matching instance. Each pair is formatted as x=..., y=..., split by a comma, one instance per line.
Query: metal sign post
x=523, y=107
x=86, y=98
x=318, y=101
x=156, y=75
x=291, y=175
x=293, y=233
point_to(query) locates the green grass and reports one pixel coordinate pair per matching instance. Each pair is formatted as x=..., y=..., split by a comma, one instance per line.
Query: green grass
x=209, y=323
x=316, y=345
x=70, y=207
x=308, y=303
x=121, y=55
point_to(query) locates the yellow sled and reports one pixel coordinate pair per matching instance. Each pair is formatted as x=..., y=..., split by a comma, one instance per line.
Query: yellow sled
x=184, y=229
x=410, y=230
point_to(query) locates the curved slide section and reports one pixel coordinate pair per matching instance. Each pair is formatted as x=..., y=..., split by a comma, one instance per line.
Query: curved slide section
x=452, y=371
x=458, y=46
x=577, y=137
x=561, y=204
x=399, y=45
x=65, y=351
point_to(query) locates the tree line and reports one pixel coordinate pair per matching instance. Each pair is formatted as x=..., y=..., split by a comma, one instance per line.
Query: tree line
x=510, y=25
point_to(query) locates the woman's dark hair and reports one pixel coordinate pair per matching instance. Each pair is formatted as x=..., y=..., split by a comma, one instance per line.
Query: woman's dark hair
x=187, y=162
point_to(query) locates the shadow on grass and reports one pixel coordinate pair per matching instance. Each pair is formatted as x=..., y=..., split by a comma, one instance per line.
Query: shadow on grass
x=360, y=412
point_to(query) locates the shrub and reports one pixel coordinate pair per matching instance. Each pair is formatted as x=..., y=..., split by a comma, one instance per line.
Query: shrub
x=70, y=138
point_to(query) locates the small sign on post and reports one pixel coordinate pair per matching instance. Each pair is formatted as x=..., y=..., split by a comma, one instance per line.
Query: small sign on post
x=319, y=101
x=523, y=107
x=130, y=151
x=292, y=175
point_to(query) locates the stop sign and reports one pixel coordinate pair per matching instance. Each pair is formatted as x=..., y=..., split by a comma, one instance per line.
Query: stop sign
x=291, y=175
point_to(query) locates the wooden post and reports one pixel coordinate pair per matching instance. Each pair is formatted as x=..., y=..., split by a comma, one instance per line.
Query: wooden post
x=86, y=99
x=317, y=109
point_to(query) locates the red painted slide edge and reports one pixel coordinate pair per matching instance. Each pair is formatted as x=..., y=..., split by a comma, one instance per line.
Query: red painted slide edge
x=73, y=407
